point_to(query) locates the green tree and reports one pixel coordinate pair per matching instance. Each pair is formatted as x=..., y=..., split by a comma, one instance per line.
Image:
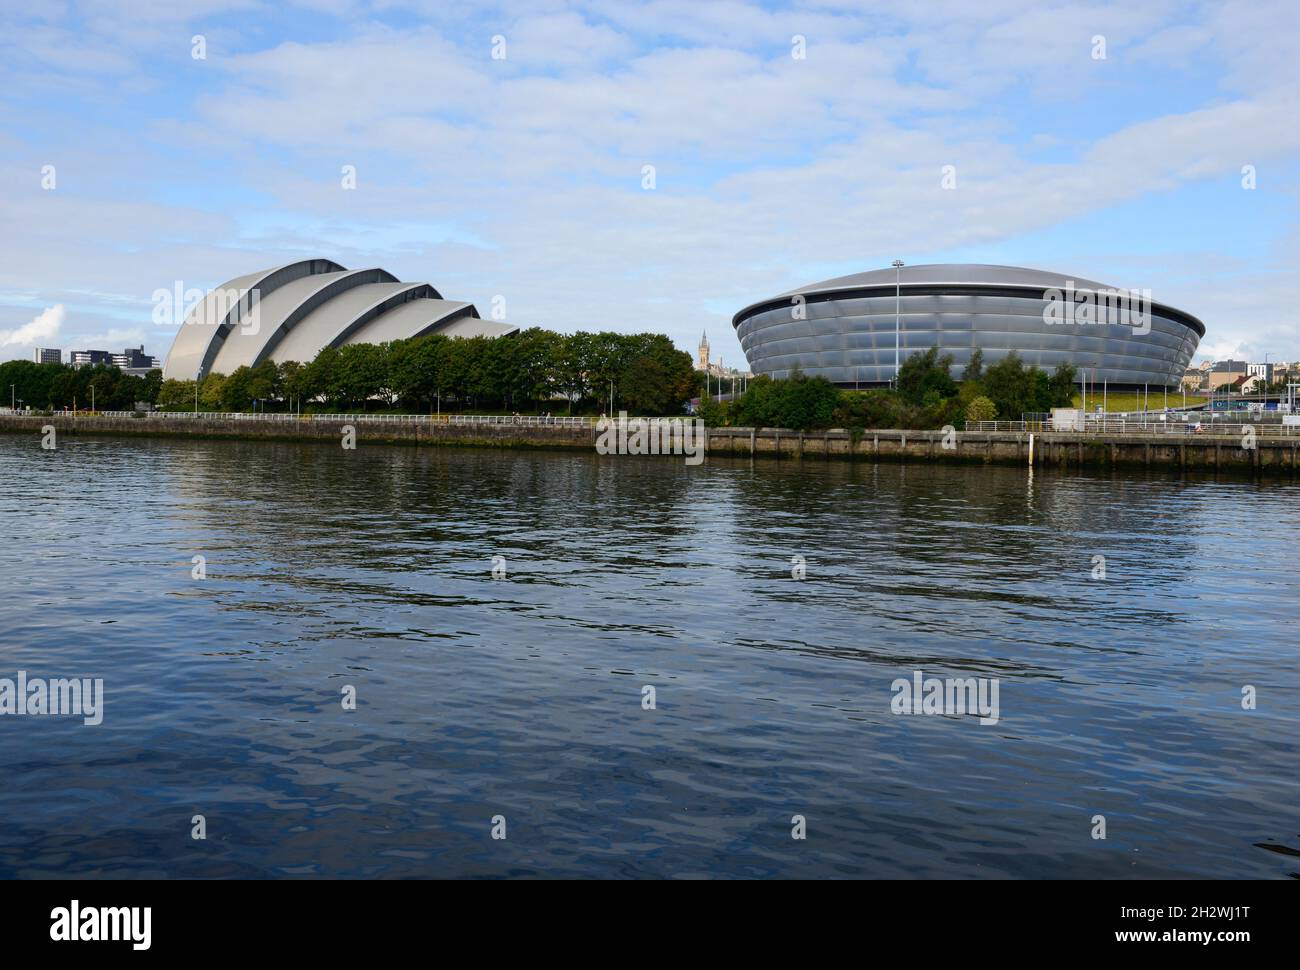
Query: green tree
x=715, y=414
x=292, y=384
x=322, y=378
x=658, y=383
x=981, y=409
x=926, y=374
x=416, y=367
x=235, y=394
x=1010, y=386
x=799, y=402
x=362, y=373
x=1060, y=388
x=212, y=392
x=572, y=366
x=176, y=395
x=536, y=378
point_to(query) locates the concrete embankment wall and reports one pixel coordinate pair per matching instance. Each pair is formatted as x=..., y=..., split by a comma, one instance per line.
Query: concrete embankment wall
x=1003, y=447
x=367, y=432
x=1193, y=451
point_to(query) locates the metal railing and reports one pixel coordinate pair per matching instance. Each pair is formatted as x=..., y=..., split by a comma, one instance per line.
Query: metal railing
x=1142, y=425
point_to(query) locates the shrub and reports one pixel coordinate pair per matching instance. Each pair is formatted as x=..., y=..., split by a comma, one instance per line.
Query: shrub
x=798, y=402
x=981, y=409
x=926, y=377
x=714, y=414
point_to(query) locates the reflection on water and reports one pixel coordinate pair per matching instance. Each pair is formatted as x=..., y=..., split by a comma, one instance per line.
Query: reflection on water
x=522, y=697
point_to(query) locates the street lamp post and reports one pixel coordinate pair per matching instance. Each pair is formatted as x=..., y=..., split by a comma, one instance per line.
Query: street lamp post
x=13, y=402
x=898, y=271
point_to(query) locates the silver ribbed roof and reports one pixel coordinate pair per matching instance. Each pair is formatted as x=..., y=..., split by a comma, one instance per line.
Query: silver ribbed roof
x=305, y=306
x=956, y=274
x=951, y=274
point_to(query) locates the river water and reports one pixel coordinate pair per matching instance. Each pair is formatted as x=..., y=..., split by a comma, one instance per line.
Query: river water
x=518, y=706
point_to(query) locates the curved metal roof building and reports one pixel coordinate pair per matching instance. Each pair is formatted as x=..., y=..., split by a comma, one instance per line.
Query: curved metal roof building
x=292, y=312
x=843, y=329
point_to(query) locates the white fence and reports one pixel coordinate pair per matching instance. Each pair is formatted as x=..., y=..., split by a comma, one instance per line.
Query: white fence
x=1146, y=424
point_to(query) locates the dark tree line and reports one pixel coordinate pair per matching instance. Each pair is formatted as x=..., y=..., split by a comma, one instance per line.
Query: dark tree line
x=534, y=369
x=44, y=387
x=925, y=397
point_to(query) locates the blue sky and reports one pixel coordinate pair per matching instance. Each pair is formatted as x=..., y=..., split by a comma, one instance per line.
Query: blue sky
x=521, y=177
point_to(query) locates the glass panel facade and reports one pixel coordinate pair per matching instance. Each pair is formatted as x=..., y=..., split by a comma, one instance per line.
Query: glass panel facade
x=850, y=339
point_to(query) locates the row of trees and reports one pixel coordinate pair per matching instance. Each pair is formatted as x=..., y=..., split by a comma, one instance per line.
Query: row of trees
x=535, y=369
x=43, y=387
x=925, y=396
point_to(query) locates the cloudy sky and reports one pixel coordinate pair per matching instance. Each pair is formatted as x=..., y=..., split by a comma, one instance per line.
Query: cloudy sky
x=523, y=176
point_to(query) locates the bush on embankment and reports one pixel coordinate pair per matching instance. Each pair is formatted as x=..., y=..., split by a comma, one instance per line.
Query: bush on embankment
x=926, y=397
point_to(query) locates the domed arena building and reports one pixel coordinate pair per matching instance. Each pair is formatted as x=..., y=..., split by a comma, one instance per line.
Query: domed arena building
x=844, y=329
x=292, y=312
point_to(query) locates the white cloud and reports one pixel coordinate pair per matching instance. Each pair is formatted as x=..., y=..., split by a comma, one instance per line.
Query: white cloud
x=522, y=177
x=41, y=329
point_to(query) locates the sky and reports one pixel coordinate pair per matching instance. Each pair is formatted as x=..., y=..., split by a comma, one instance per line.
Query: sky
x=654, y=166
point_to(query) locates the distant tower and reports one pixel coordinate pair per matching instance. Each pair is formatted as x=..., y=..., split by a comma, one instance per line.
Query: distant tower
x=704, y=351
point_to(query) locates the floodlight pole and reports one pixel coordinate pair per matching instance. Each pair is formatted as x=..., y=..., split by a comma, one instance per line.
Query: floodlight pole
x=898, y=271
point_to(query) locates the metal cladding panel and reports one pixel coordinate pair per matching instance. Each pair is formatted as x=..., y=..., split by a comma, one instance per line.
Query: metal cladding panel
x=202, y=336
x=308, y=305
x=943, y=278
x=244, y=343
x=849, y=337
x=196, y=333
x=264, y=287
x=312, y=324
x=952, y=274
x=380, y=302
x=474, y=327
x=319, y=328
x=410, y=319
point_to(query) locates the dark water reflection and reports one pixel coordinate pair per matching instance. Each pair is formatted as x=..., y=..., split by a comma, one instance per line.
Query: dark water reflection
x=522, y=697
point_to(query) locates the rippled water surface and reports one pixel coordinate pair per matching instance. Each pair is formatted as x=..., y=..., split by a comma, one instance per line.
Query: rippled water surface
x=522, y=697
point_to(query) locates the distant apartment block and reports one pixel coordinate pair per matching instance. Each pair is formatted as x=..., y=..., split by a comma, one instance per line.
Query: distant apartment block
x=47, y=355
x=1264, y=371
x=1225, y=373
x=84, y=358
x=135, y=359
x=132, y=360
